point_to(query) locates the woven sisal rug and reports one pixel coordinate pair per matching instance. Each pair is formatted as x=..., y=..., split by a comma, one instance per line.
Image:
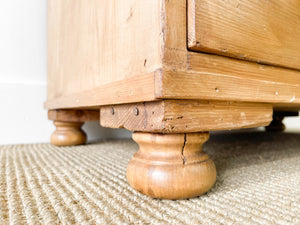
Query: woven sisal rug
x=258, y=183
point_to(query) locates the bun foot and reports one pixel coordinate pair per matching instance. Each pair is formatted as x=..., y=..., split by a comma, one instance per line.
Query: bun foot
x=171, y=166
x=68, y=134
x=276, y=125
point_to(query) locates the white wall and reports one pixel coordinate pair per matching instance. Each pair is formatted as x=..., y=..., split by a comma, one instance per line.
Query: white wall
x=23, y=76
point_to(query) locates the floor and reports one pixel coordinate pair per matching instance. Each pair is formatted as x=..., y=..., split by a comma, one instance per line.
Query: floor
x=258, y=183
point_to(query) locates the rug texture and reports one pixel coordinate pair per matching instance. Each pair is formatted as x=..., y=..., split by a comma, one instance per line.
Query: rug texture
x=258, y=183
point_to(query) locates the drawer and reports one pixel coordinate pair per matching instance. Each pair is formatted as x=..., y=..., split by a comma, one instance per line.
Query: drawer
x=266, y=31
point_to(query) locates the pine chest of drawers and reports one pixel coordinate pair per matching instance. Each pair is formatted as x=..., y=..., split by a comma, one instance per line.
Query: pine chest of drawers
x=171, y=70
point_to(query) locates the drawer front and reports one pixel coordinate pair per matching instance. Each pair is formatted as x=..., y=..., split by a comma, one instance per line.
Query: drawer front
x=264, y=31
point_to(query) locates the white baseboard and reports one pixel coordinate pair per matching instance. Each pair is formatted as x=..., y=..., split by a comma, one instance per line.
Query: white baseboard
x=292, y=124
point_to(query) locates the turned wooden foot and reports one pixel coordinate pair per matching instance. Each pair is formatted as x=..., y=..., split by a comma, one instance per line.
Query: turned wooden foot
x=68, y=124
x=170, y=163
x=276, y=125
x=171, y=166
x=68, y=133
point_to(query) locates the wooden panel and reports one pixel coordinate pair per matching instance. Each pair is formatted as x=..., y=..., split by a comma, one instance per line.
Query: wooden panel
x=92, y=43
x=74, y=115
x=262, y=31
x=221, y=78
x=184, y=116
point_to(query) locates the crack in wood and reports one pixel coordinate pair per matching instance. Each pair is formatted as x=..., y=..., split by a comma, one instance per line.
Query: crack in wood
x=182, y=151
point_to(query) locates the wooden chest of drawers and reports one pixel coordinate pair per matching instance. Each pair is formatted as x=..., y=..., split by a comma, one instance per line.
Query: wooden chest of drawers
x=171, y=70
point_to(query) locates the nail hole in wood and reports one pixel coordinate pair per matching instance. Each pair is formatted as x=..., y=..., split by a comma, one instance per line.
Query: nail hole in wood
x=136, y=111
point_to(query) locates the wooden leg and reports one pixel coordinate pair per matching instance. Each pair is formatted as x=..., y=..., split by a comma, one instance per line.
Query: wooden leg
x=68, y=124
x=68, y=134
x=276, y=125
x=171, y=166
x=170, y=163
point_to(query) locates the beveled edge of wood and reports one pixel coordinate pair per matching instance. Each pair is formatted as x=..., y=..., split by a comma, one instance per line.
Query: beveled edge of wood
x=134, y=89
x=74, y=115
x=190, y=84
x=168, y=83
x=191, y=25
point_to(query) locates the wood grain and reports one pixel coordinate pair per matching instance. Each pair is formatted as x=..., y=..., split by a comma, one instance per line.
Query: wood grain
x=221, y=78
x=175, y=36
x=185, y=116
x=171, y=166
x=72, y=115
x=134, y=89
x=172, y=73
x=262, y=31
x=68, y=134
x=92, y=43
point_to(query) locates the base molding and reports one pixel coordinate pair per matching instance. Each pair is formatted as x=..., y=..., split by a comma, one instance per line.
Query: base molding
x=185, y=116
